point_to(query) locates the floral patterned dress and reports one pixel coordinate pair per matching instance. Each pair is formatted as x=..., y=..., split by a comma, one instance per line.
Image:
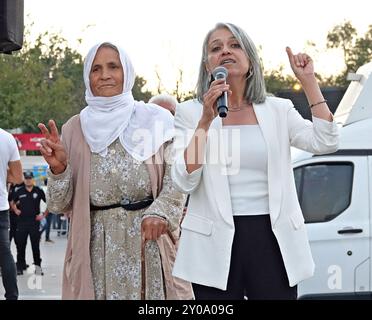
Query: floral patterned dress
x=116, y=233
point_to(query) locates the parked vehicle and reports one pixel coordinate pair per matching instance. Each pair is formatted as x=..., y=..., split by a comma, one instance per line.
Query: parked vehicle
x=335, y=193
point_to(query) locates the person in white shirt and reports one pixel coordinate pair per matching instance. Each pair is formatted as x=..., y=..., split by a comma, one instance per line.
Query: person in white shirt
x=243, y=234
x=10, y=171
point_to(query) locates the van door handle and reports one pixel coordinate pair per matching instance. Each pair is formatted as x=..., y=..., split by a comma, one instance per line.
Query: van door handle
x=351, y=230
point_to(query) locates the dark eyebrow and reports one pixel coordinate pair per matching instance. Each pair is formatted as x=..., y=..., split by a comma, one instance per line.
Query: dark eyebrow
x=110, y=63
x=113, y=63
x=95, y=65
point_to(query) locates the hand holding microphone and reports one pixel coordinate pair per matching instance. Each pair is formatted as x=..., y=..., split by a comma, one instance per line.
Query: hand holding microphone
x=215, y=99
x=222, y=108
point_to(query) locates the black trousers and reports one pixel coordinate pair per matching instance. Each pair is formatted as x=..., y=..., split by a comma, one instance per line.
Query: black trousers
x=8, y=268
x=24, y=230
x=256, y=269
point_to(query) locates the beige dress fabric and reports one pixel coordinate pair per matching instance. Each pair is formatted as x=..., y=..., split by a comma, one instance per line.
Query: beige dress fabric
x=115, y=242
x=70, y=192
x=117, y=232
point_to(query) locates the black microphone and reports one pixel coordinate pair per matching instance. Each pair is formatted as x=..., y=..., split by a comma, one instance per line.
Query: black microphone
x=221, y=73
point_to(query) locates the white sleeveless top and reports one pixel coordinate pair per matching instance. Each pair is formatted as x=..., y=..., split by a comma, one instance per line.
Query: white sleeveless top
x=247, y=170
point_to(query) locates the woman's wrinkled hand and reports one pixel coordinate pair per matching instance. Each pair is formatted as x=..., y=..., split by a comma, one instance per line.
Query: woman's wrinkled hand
x=153, y=227
x=52, y=148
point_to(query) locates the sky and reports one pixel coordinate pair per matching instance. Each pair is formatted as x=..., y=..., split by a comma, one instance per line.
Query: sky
x=165, y=36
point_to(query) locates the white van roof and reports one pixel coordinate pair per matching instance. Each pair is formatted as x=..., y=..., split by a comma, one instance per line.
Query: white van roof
x=356, y=104
x=357, y=135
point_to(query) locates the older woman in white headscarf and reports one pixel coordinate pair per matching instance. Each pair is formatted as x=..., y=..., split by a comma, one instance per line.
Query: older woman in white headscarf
x=101, y=170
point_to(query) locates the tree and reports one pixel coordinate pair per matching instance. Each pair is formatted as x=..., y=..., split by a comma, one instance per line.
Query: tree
x=275, y=80
x=45, y=81
x=343, y=36
x=362, y=51
x=138, y=90
x=177, y=92
x=356, y=50
x=40, y=82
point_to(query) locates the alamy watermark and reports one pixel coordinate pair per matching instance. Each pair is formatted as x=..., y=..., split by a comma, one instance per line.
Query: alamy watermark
x=222, y=147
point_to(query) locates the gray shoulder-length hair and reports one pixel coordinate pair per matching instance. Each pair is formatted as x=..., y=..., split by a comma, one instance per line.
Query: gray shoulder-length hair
x=255, y=90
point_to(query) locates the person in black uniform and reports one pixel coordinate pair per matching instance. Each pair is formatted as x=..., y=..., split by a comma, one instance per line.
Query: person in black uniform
x=26, y=204
x=13, y=218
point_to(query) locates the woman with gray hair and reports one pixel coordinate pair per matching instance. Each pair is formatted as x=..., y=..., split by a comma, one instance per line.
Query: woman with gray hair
x=243, y=234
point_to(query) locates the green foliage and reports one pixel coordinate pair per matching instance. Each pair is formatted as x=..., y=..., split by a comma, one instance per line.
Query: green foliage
x=177, y=92
x=45, y=81
x=42, y=81
x=138, y=91
x=184, y=96
x=342, y=35
x=362, y=51
x=356, y=50
x=276, y=81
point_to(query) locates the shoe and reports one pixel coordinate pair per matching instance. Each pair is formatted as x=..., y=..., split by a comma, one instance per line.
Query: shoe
x=39, y=271
x=50, y=241
x=25, y=267
x=19, y=272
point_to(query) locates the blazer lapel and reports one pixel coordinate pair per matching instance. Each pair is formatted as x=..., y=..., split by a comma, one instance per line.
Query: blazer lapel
x=217, y=171
x=266, y=120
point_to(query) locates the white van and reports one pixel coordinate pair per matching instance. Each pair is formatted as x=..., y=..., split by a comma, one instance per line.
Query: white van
x=335, y=193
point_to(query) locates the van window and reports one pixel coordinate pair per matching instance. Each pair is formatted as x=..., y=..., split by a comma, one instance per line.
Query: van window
x=324, y=190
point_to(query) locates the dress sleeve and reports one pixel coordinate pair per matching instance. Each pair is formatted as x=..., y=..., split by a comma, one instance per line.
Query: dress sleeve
x=170, y=202
x=60, y=190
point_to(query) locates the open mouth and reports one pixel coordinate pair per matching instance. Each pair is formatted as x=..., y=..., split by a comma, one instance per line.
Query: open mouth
x=226, y=61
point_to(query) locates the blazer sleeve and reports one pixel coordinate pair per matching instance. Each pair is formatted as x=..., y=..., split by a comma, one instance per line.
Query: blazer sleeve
x=184, y=130
x=318, y=137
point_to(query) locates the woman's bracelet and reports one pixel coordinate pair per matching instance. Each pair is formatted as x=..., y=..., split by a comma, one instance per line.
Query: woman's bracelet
x=315, y=104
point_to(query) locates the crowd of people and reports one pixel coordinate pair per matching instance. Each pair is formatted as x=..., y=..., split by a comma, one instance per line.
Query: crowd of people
x=122, y=169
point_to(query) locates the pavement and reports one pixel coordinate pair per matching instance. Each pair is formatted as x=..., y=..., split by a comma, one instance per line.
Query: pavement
x=48, y=286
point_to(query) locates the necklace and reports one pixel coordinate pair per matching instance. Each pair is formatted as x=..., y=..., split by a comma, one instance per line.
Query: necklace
x=235, y=109
x=238, y=108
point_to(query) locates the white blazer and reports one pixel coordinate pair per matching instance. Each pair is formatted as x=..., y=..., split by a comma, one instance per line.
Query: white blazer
x=204, y=251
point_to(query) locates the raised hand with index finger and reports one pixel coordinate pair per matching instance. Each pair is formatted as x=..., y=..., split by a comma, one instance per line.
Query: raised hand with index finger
x=52, y=148
x=301, y=64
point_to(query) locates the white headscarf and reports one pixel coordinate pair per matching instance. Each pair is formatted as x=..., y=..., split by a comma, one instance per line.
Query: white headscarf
x=142, y=128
